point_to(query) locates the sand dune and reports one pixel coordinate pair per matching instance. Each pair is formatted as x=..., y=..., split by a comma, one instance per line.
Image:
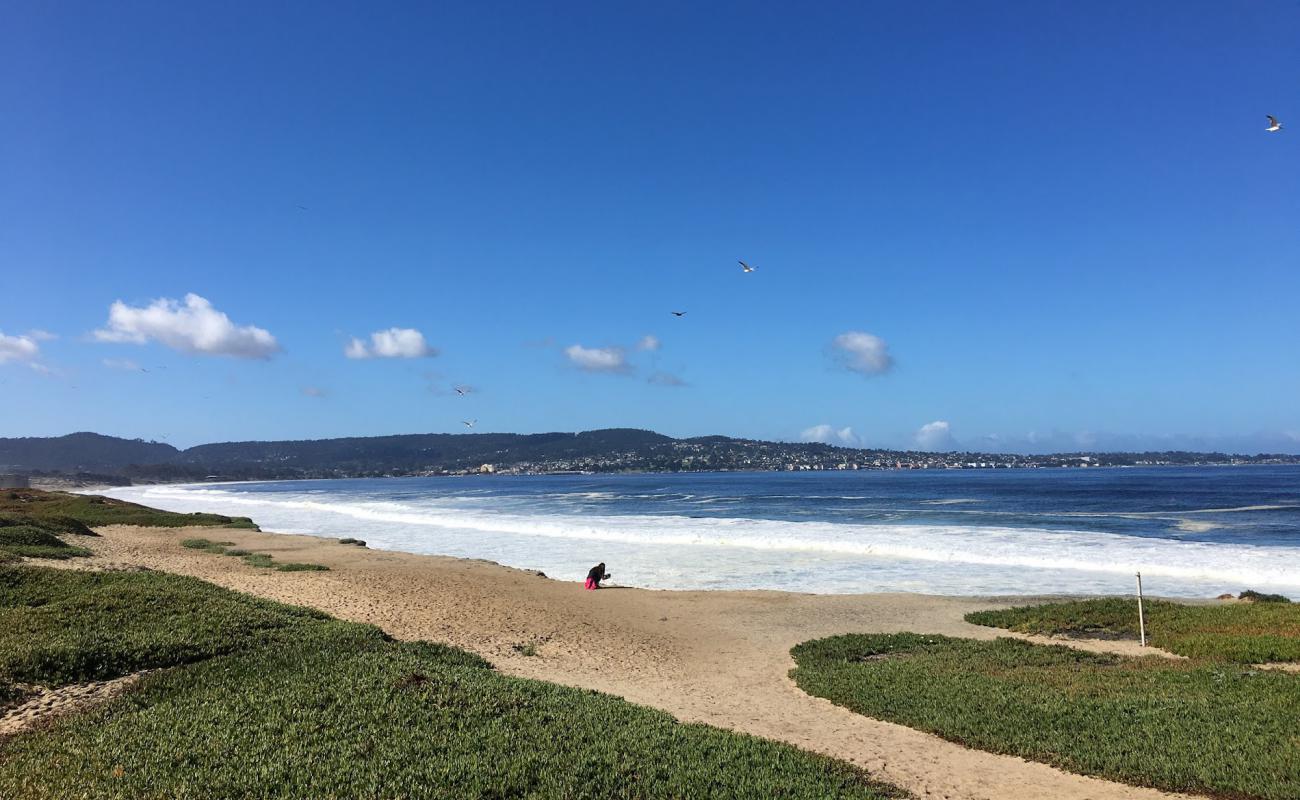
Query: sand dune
x=715, y=657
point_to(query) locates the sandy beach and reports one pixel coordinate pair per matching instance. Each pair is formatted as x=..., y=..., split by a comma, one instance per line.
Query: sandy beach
x=716, y=657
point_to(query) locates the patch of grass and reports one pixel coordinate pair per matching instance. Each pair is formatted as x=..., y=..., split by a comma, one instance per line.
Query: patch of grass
x=1194, y=726
x=525, y=649
x=237, y=551
x=1259, y=597
x=350, y=540
x=30, y=541
x=260, y=560
x=96, y=511
x=306, y=706
x=294, y=566
x=1244, y=633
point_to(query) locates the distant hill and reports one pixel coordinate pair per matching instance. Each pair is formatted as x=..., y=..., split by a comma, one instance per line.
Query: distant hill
x=81, y=452
x=610, y=450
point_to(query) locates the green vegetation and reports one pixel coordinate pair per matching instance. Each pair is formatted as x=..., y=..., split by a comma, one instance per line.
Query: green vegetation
x=54, y=523
x=206, y=545
x=271, y=701
x=253, y=559
x=259, y=560
x=1259, y=597
x=59, y=627
x=294, y=566
x=97, y=511
x=33, y=541
x=1199, y=726
x=1244, y=633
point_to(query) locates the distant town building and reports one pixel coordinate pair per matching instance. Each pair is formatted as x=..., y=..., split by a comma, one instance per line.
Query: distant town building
x=487, y=469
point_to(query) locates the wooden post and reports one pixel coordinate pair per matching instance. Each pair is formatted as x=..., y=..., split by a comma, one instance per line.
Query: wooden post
x=1142, y=622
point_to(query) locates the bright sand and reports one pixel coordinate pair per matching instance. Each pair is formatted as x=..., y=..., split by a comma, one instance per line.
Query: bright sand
x=720, y=658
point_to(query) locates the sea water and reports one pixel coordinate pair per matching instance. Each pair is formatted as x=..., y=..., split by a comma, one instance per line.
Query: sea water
x=1192, y=532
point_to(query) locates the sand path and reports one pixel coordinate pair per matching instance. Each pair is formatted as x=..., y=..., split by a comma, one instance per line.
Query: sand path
x=715, y=657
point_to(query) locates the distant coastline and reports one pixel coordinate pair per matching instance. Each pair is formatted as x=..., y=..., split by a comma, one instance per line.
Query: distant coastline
x=85, y=459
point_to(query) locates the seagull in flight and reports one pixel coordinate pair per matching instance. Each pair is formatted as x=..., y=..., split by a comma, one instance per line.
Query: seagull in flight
x=746, y=267
x=679, y=313
x=460, y=390
x=1273, y=125
x=468, y=423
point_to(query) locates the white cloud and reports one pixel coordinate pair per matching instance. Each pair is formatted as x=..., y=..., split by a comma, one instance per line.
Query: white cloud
x=121, y=363
x=666, y=379
x=18, y=348
x=598, y=359
x=40, y=335
x=648, y=342
x=864, y=353
x=936, y=435
x=391, y=343
x=827, y=434
x=192, y=327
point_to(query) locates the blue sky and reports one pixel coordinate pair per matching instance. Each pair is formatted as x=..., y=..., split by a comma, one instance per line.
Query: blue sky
x=1060, y=225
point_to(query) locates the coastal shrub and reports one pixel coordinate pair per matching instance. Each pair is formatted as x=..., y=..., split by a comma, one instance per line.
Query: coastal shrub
x=259, y=560
x=1187, y=726
x=30, y=541
x=59, y=627
x=1259, y=597
x=300, y=705
x=238, y=551
x=96, y=511
x=294, y=566
x=63, y=525
x=1244, y=633
x=357, y=542
x=54, y=524
x=29, y=535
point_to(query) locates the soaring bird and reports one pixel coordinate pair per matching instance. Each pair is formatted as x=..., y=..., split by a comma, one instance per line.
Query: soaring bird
x=468, y=423
x=1273, y=125
x=746, y=267
x=460, y=390
x=679, y=313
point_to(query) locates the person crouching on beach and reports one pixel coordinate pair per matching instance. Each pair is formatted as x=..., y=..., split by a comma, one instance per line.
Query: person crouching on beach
x=596, y=575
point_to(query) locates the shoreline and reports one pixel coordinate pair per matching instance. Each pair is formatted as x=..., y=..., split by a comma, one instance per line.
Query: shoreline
x=714, y=656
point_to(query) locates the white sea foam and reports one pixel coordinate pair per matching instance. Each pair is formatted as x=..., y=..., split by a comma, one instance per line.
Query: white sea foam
x=672, y=551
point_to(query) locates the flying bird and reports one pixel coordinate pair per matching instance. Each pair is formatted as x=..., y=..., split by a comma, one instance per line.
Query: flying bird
x=1273, y=125
x=679, y=313
x=303, y=208
x=468, y=423
x=462, y=391
x=746, y=267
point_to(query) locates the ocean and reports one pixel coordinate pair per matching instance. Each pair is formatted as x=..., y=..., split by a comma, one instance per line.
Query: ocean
x=1192, y=532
